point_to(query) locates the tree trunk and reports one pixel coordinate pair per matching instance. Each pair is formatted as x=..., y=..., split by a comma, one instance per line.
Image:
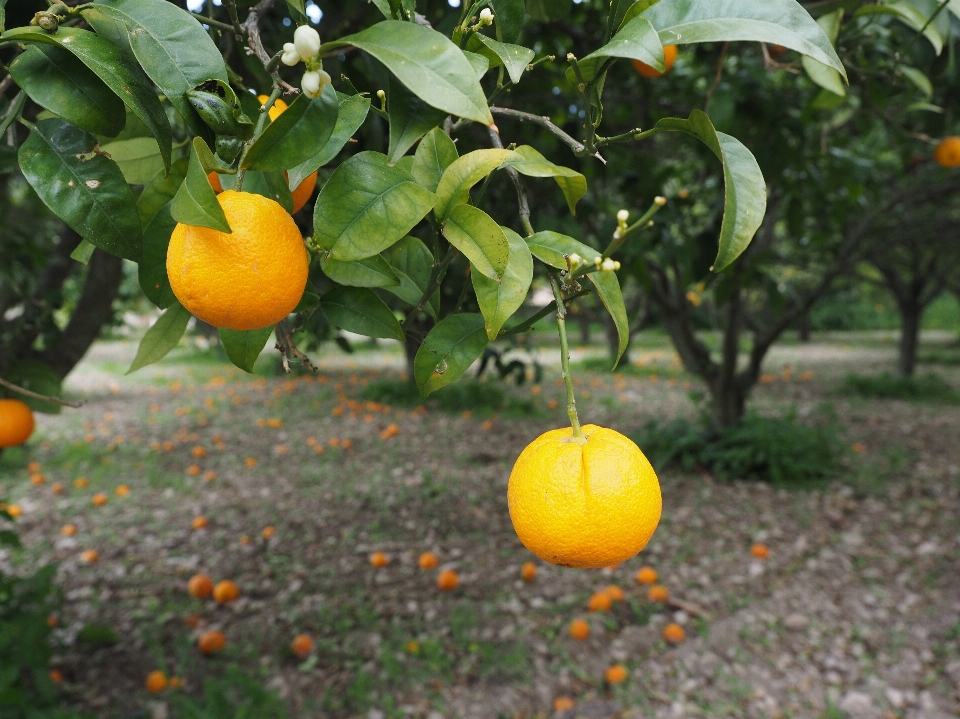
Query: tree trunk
x=728, y=403
x=93, y=311
x=910, y=315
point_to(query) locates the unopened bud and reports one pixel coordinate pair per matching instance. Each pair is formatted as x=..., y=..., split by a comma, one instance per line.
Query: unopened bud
x=616, y=264
x=314, y=82
x=607, y=265
x=486, y=16
x=381, y=94
x=659, y=201
x=571, y=57
x=616, y=234
x=597, y=260
x=307, y=42
x=623, y=215
x=290, y=56
x=47, y=21
x=575, y=259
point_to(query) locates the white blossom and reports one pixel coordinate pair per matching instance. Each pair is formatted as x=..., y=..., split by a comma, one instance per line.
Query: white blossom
x=623, y=215
x=290, y=55
x=486, y=16
x=307, y=42
x=313, y=83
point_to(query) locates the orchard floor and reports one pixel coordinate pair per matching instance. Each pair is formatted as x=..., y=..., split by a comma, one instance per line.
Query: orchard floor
x=856, y=613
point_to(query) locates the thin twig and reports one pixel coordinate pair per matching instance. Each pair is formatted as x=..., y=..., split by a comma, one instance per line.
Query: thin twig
x=288, y=350
x=524, y=204
x=578, y=147
x=45, y=398
x=6, y=83
x=251, y=26
x=718, y=76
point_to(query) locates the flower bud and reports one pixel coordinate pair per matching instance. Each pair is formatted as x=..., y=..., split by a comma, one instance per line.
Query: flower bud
x=597, y=260
x=290, y=56
x=307, y=42
x=616, y=234
x=575, y=260
x=313, y=83
x=623, y=215
x=607, y=265
x=486, y=16
x=616, y=264
x=659, y=201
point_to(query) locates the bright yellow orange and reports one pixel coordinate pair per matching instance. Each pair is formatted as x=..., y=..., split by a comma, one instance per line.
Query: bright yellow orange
x=647, y=575
x=16, y=422
x=301, y=645
x=760, y=551
x=428, y=560
x=584, y=505
x=156, y=681
x=379, y=560
x=200, y=586
x=579, y=629
x=947, y=153
x=615, y=674
x=658, y=593
x=211, y=642
x=528, y=572
x=669, y=57
x=599, y=602
x=448, y=580
x=225, y=592
x=245, y=280
x=674, y=633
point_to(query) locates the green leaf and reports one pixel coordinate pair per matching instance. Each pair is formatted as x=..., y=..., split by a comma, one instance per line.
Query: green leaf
x=411, y=262
x=195, y=202
x=162, y=337
x=780, y=22
x=353, y=111
x=914, y=15
x=479, y=238
x=298, y=8
x=435, y=153
x=160, y=190
x=509, y=18
x=499, y=300
x=83, y=252
x=152, y=268
x=118, y=72
x=431, y=66
x=297, y=135
x=384, y=7
x=410, y=119
x=514, y=58
x=370, y=272
x=366, y=206
x=745, y=192
x=139, y=159
x=59, y=82
x=448, y=351
x=824, y=76
x=479, y=63
x=82, y=187
x=272, y=185
x=531, y=163
x=636, y=40
x=920, y=81
x=39, y=377
x=359, y=310
x=243, y=347
x=169, y=43
x=608, y=289
x=462, y=174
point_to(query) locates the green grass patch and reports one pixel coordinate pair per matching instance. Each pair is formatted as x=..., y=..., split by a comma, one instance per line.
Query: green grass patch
x=919, y=388
x=781, y=450
x=481, y=398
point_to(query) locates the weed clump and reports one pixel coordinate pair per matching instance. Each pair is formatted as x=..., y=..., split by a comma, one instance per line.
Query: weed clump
x=929, y=387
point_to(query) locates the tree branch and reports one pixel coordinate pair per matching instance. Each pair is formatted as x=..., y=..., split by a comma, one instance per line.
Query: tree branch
x=14, y=388
x=522, y=202
x=543, y=121
x=251, y=26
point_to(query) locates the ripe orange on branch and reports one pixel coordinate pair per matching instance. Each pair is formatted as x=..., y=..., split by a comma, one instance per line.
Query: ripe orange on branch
x=250, y=278
x=16, y=422
x=669, y=57
x=585, y=505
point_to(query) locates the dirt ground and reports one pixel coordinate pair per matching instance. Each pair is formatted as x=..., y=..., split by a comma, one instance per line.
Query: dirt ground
x=856, y=612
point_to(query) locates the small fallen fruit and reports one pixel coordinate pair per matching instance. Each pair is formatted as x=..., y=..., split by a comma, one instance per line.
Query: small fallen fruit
x=614, y=592
x=200, y=586
x=615, y=674
x=268, y=532
x=301, y=645
x=658, y=593
x=199, y=522
x=379, y=560
x=674, y=633
x=156, y=681
x=211, y=642
x=579, y=629
x=89, y=556
x=428, y=560
x=599, y=602
x=68, y=530
x=225, y=592
x=448, y=580
x=56, y=676
x=528, y=572
x=99, y=499
x=760, y=551
x=562, y=704
x=647, y=575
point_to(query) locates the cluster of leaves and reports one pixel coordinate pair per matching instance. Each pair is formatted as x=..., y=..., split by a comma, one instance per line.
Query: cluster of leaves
x=231, y=696
x=928, y=387
x=781, y=450
x=144, y=99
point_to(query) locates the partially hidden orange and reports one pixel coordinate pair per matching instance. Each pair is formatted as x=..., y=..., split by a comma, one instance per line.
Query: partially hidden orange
x=669, y=57
x=16, y=423
x=947, y=153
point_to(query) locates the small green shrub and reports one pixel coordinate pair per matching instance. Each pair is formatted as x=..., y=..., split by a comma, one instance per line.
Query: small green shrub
x=777, y=449
x=928, y=387
x=232, y=696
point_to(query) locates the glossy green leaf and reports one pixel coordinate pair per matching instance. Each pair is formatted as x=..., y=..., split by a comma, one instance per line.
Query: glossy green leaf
x=531, y=163
x=118, y=72
x=464, y=173
x=826, y=77
x=410, y=119
x=39, y=377
x=169, y=43
x=608, y=290
x=745, y=192
x=499, y=300
x=435, y=153
x=82, y=187
x=479, y=238
x=637, y=40
x=59, y=82
x=479, y=63
x=914, y=14
x=431, y=66
x=160, y=190
x=514, y=58
x=83, y=252
x=780, y=22
x=139, y=159
x=297, y=135
x=919, y=80
x=298, y=10
x=152, y=268
x=509, y=18
x=353, y=111
x=272, y=185
x=370, y=272
x=359, y=310
x=162, y=337
x=243, y=347
x=411, y=262
x=448, y=350
x=366, y=206
x=195, y=202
